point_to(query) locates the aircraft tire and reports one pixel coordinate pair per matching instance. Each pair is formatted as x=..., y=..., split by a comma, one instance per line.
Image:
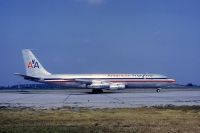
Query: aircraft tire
x=158, y=90
x=96, y=91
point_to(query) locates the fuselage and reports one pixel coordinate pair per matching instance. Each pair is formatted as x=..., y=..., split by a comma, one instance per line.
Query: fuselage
x=129, y=80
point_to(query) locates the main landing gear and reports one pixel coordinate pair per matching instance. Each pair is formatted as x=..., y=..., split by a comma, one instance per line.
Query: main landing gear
x=96, y=91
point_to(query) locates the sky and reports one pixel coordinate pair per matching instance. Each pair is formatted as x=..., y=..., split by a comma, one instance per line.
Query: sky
x=102, y=36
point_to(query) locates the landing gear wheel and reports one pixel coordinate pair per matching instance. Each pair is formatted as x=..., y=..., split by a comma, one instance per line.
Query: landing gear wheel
x=96, y=91
x=158, y=90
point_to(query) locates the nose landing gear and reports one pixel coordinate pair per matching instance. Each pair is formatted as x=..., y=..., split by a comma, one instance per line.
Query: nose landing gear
x=158, y=90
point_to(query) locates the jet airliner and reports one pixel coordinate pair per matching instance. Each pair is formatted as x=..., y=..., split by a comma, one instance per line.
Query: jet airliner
x=97, y=82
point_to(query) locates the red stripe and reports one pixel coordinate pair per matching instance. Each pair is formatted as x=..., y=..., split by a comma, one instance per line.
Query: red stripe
x=170, y=81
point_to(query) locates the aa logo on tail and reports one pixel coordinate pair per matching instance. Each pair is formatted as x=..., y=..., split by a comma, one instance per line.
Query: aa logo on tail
x=33, y=64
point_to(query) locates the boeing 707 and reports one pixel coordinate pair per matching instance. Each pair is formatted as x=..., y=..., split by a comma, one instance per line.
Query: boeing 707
x=97, y=82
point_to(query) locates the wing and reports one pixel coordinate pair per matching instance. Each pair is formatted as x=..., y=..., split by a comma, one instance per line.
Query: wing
x=101, y=84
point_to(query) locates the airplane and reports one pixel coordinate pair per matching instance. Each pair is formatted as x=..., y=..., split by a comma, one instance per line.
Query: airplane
x=97, y=82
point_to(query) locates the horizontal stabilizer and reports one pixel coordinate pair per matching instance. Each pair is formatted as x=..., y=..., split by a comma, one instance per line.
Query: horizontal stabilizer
x=27, y=77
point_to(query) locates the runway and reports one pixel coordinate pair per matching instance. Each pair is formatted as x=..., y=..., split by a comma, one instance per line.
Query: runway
x=121, y=99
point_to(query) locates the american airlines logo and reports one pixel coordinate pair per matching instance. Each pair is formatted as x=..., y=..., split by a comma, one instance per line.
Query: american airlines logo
x=33, y=64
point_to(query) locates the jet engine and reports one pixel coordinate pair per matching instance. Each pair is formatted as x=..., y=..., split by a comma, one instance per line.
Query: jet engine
x=116, y=86
x=96, y=84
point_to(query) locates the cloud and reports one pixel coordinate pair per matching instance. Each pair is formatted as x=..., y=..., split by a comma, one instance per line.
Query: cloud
x=93, y=2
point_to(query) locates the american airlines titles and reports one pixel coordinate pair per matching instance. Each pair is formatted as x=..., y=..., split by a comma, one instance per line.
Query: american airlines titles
x=129, y=75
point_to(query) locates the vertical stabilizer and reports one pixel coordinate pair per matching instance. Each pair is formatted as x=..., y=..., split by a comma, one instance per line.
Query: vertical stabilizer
x=32, y=65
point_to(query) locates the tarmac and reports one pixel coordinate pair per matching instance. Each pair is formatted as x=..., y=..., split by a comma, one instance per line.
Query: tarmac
x=132, y=98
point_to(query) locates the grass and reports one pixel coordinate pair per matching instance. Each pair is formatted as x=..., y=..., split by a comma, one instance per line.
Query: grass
x=155, y=119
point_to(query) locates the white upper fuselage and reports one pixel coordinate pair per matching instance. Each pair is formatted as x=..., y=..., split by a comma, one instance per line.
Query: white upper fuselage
x=107, y=76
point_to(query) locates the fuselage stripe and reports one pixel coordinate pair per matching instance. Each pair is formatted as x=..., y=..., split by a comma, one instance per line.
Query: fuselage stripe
x=114, y=81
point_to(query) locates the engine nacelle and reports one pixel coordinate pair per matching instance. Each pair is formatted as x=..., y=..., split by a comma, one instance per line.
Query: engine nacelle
x=98, y=84
x=116, y=86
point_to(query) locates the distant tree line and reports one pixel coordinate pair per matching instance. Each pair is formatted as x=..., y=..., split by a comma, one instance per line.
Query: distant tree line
x=32, y=86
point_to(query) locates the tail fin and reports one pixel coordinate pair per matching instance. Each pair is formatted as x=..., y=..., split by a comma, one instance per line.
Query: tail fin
x=32, y=65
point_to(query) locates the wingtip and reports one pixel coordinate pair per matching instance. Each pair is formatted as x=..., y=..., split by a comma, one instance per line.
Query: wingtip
x=16, y=73
x=19, y=74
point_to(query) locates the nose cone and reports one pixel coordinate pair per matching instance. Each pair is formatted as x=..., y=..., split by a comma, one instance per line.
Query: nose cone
x=173, y=80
